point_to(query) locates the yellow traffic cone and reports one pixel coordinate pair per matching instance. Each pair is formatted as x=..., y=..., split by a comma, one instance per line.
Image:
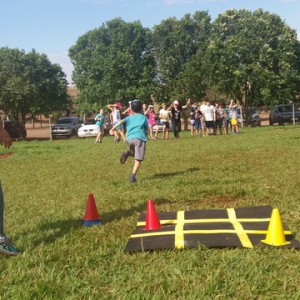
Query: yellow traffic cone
x=275, y=235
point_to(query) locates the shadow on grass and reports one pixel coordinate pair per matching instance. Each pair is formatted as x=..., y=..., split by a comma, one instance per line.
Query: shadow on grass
x=124, y=213
x=169, y=174
x=53, y=231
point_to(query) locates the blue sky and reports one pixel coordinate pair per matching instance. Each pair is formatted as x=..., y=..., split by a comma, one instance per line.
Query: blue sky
x=53, y=26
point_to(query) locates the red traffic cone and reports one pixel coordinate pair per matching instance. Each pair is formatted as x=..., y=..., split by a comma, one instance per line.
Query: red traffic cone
x=152, y=220
x=91, y=214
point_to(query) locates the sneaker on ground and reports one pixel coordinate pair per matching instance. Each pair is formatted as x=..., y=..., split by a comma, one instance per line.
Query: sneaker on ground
x=123, y=157
x=8, y=248
x=132, y=178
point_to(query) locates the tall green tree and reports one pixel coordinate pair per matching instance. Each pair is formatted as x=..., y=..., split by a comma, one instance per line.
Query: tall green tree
x=113, y=62
x=253, y=57
x=30, y=84
x=179, y=46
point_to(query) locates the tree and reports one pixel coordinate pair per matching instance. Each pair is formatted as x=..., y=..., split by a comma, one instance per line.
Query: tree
x=253, y=57
x=179, y=46
x=30, y=84
x=113, y=62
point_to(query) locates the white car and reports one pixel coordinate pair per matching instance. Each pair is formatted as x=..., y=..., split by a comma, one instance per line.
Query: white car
x=90, y=129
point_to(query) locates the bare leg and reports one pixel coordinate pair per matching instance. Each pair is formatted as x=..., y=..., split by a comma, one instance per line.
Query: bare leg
x=98, y=138
x=137, y=164
x=151, y=132
x=121, y=132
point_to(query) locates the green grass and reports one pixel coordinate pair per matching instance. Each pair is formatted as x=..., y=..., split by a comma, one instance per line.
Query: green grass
x=46, y=185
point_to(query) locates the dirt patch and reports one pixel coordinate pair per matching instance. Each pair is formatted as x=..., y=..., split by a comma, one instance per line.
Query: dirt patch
x=221, y=200
x=6, y=155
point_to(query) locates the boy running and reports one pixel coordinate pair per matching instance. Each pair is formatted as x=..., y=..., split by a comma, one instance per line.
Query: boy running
x=136, y=137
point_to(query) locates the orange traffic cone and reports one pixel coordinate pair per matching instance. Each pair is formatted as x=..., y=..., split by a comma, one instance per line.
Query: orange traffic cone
x=91, y=214
x=152, y=220
x=275, y=235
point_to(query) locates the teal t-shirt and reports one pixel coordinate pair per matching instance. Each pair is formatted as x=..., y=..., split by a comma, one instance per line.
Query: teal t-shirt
x=100, y=120
x=136, y=127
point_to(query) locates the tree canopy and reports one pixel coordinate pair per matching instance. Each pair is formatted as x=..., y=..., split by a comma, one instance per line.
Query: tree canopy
x=250, y=56
x=253, y=57
x=30, y=84
x=113, y=62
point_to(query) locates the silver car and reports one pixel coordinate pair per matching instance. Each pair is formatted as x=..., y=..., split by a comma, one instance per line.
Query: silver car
x=66, y=126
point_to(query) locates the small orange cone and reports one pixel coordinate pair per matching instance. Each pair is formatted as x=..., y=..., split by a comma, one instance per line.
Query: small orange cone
x=91, y=216
x=152, y=220
x=275, y=235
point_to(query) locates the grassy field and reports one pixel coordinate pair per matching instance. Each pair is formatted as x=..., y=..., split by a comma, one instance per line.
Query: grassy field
x=46, y=185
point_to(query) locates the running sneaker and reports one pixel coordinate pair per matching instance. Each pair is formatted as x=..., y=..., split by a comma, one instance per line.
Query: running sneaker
x=124, y=157
x=8, y=248
x=132, y=178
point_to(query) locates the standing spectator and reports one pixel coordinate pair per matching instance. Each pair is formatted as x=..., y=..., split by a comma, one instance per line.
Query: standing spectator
x=203, y=127
x=144, y=108
x=150, y=113
x=176, y=109
x=197, y=125
x=164, y=116
x=6, y=246
x=219, y=118
x=100, y=118
x=128, y=111
x=234, y=123
x=209, y=117
x=227, y=119
x=192, y=116
x=115, y=118
x=137, y=128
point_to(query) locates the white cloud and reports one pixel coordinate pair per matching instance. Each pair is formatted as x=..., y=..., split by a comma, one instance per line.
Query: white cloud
x=64, y=61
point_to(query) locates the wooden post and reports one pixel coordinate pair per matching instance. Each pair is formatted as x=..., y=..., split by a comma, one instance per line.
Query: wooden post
x=50, y=127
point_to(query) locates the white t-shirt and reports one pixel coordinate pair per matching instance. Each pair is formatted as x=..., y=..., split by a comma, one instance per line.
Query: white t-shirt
x=209, y=113
x=164, y=115
x=116, y=116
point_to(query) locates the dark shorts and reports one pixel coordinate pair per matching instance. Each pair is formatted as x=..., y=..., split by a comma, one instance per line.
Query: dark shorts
x=167, y=124
x=209, y=124
x=137, y=148
x=101, y=129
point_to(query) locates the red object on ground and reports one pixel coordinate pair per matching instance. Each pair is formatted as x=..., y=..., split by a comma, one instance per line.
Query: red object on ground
x=152, y=220
x=91, y=216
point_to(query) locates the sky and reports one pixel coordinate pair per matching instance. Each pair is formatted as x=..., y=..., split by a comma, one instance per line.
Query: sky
x=53, y=26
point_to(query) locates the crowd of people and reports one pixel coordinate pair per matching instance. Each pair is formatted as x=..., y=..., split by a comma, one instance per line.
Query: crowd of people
x=206, y=119
x=141, y=124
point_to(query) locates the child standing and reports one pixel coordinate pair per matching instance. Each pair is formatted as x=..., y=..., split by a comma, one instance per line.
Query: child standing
x=234, y=123
x=197, y=125
x=100, y=123
x=116, y=117
x=6, y=246
x=150, y=113
x=136, y=137
x=164, y=116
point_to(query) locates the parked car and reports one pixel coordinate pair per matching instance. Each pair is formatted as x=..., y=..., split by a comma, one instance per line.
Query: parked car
x=90, y=128
x=15, y=129
x=250, y=117
x=283, y=113
x=66, y=126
